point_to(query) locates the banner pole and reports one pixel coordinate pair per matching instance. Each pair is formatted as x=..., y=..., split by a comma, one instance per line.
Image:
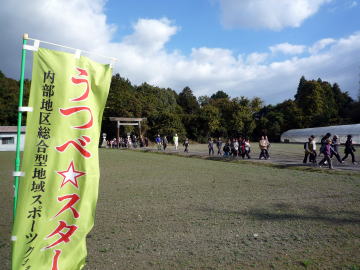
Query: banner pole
x=18, y=137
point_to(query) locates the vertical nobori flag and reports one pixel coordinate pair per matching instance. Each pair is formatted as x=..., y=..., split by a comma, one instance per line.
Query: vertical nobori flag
x=58, y=194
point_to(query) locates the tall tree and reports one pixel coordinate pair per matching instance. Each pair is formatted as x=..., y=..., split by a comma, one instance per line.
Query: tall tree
x=219, y=94
x=166, y=124
x=342, y=100
x=243, y=117
x=209, y=120
x=188, y=101
x=203, y=100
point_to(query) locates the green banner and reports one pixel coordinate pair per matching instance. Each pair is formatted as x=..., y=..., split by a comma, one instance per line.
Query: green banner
x=58, y=194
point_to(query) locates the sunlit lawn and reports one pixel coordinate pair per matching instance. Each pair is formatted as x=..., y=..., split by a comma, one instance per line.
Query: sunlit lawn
x=169, y=212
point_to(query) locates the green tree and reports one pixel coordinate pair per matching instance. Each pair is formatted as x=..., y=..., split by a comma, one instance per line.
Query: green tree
x=166, y=124
x=203, y=100
x=188, y=101
x=243, y=117
x=343, y=102
x=220, y=94
x=209, y=120
x=291, y=114
x=311, y=99
x=9, y=100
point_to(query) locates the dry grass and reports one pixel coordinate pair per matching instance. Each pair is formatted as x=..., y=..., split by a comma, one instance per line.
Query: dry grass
x=170, y=212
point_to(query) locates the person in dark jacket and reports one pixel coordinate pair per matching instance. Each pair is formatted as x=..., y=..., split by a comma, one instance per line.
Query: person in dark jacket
x=242, y=147
x=211, y=146
x=186, y=145
x=164, y=142
x=307, y=150
x=349, y=149
x=219, y=146
x=227, y=149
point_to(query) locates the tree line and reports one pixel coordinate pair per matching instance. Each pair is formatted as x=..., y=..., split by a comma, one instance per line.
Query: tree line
x=316, y=103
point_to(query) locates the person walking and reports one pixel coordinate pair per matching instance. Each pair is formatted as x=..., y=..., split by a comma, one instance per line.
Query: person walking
x=211, y=146
x=128, y=141
x=219, y=146
x=327, y=153
x=164, y=142
x=335, y=145
x=263, y=145
x=267, y=147
x=312, y=148
x=236, y=148
x=247, y=148
x=242, y=147
x=135, y=141
x=186, y=145
x=349, y=149
x=323, y=142
x=227, y=149
x=307, y=150
x=158, y=142
x=176, y=141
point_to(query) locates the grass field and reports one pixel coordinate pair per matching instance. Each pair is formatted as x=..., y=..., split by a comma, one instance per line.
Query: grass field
x=285, y=155
x=169, y=212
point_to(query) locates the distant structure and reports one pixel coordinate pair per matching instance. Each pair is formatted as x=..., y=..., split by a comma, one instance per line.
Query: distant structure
x=302, y=135
x=126, y=121
x=8, y=138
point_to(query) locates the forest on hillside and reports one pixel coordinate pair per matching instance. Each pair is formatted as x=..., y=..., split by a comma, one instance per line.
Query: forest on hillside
x=316, y=103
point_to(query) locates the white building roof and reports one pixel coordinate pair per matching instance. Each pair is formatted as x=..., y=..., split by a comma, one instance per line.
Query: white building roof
x=301, y=135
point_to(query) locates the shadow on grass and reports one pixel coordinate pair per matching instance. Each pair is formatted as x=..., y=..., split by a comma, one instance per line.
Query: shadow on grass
x=254, y=162
x=290, y=166
x=282, y=212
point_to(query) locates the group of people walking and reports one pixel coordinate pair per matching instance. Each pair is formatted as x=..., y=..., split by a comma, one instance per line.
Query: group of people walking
x=162, y=142
x=329, y=148
x=129, y=141
x=241, y=147
x=236, y=147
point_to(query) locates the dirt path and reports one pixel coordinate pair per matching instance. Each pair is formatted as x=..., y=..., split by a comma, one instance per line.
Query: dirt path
x=287, y=155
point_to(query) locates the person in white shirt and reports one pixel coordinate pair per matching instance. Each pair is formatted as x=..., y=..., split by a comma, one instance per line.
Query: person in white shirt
x=312, y=148
x=176, y=141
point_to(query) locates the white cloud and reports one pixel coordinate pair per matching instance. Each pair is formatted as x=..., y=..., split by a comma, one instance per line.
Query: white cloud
x=214, y=56
x=321, y=44
x=287, y=48
x=80, y=24
x=256, y=58
x=267, y=14
x=143, y=57
x=151, y=34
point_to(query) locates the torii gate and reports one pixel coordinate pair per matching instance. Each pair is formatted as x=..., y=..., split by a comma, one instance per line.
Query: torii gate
x=126, y=121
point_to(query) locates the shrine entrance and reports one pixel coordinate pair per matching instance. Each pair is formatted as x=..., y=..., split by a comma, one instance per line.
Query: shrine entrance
x=126, y=121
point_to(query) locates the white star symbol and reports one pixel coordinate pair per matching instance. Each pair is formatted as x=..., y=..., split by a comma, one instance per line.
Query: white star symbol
x=71, y=175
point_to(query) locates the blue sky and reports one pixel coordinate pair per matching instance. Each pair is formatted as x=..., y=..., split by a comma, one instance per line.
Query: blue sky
x=200, y=23
x=244, y=47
